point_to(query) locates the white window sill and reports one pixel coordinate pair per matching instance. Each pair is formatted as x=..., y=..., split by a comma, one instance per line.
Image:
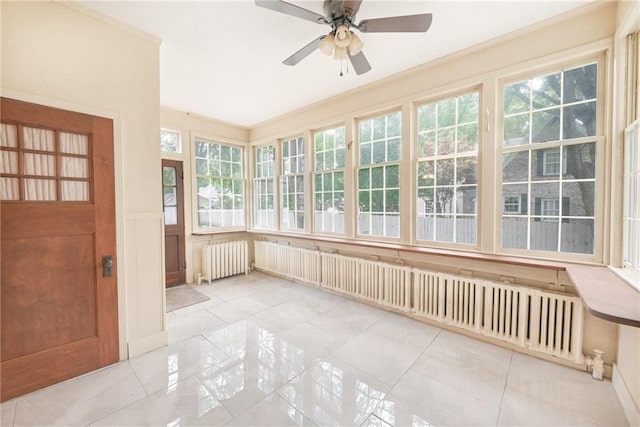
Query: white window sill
x=629, y=275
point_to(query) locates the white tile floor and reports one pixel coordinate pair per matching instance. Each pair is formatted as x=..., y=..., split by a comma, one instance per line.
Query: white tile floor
x=265, y=351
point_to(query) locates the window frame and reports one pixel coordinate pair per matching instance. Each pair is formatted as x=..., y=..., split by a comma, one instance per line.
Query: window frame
x=347, y=168
x=631, y=194
x=180, y=146
x=357, y=167
x=257, y=179
x=599, y=57
x=297, y=175
x=244, y=149
x=455, y=156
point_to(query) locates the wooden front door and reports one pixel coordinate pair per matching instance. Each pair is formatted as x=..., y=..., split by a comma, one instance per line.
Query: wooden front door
x=173, y=206
x=57, y=247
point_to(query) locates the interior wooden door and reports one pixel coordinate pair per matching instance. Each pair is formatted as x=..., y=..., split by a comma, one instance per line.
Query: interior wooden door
x=57, y=247
x=173, y=206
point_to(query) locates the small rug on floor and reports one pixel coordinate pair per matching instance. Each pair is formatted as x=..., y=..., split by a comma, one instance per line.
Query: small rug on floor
x=183, y=296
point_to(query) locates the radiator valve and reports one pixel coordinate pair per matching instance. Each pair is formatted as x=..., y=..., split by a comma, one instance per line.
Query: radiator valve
x=597, y=370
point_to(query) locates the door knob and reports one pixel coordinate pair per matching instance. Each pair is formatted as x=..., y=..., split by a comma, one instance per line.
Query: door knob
x=107, y=266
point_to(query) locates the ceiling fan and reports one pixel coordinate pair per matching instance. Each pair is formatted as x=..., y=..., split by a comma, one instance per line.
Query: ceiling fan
x=342, y=42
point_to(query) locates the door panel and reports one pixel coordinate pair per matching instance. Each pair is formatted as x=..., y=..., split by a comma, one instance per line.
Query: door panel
x=39, y=319
x=59, y=315
x=173, y=206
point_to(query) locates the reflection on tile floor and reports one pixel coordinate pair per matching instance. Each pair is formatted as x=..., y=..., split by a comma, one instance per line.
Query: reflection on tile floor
x=265, y=351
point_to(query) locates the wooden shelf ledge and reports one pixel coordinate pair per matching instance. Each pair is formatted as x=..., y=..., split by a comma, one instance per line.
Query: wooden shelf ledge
x=605, y=294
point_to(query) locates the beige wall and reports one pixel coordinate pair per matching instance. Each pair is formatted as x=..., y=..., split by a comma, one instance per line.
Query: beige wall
x=60, y=54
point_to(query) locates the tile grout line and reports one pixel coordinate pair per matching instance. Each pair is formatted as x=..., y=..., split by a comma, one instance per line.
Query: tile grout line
x=504, y=389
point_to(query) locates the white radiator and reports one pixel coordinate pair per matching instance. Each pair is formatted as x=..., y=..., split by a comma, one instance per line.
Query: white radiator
x=533, y=319
x=385, y=284
x=224, y=259
x=296, y=263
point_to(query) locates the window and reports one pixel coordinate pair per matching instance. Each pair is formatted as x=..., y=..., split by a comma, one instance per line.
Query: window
x=446, y=208
x=550, y=207
x=219, y=185
x=551, y=162
x=170, y=141
x=549, y=158
x=44, y=165
x=329, y=180
x=511, y=205
x=292, y=184
x=263, y=187
x=631, y=215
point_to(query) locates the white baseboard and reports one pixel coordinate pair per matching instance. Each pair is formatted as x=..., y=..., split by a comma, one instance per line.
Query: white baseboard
x=146, y=344
x=626, y=399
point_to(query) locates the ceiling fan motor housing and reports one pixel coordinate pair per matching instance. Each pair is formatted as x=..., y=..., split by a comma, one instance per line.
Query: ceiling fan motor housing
x=335, y=9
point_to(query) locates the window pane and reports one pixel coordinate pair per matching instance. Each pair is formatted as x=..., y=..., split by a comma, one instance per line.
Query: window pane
x=168, y=176
x=170, y=141
x=515, y=166
x=545, y=125
x=170, y=215
x=546, y=91
x=579, y=120
x=38, y=139
x=468, y=108
x=467, y=138
x=516, y=130
x=544, y=235
x=577, y=236
x=580, y=162
x=580, y=84
x=514, y=232
x=517, y=98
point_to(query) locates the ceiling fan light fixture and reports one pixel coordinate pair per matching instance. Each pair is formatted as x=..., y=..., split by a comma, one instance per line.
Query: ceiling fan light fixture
x=356, y=44
x=340, y=53
x=342, y=36
x=327, y=44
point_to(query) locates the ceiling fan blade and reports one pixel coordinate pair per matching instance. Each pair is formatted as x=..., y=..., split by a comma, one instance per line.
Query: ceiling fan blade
x=304, y=52
x=397, y=24
x=291, y=9
x=360, y=63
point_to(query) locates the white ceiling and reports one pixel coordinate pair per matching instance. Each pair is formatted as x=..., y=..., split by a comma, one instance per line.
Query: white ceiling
x=223, y=59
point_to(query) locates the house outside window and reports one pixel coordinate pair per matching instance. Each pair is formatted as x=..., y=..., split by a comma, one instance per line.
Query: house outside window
x=380, y=144
x=292, y=185
x=511, y=205
x=219, y=185
x=328, y=180
x=551, y=133
x=263, y=187
x=551, y=162
x=447, y=170
x=170, y=141
x=550, y=208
